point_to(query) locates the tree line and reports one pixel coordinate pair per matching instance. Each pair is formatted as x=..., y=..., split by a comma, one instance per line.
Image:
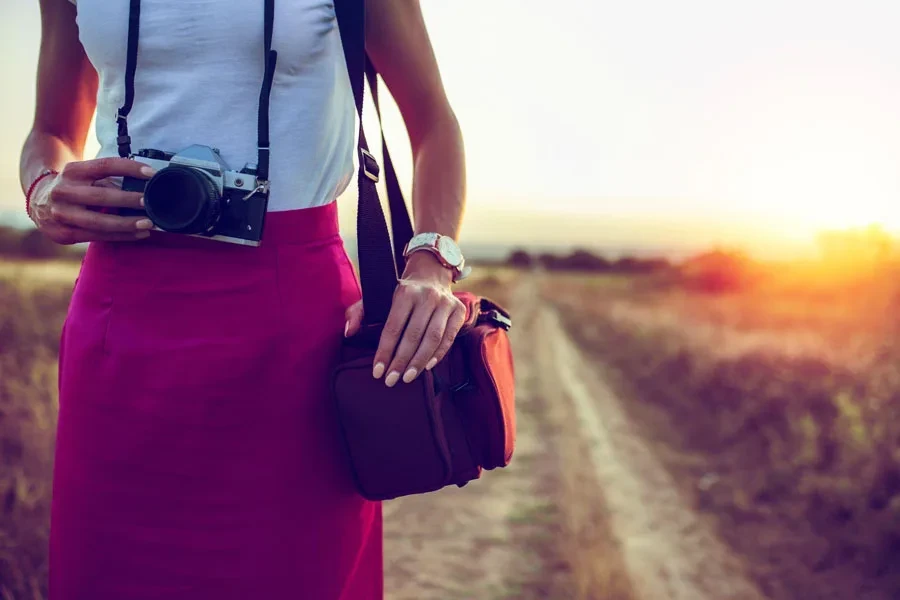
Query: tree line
x=714, y=271
x=32, y=244
x=585, y=260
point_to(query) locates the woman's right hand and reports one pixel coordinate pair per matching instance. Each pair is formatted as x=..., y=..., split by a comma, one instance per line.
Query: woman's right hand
x=61, y=204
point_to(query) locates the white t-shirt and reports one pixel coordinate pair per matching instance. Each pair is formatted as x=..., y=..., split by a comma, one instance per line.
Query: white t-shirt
x=198, y=78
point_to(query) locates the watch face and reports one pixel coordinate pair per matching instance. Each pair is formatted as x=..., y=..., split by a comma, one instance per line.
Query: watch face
x=450, y=251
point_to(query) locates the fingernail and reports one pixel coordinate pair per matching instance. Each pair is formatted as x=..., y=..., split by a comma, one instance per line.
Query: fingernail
x=392, y=378
x=378, y=371
x=431, y=364
x=147, y=171
x=346, y=328
x=410, y=375
x=144, y=224
x=142, y=200
x=142, y=235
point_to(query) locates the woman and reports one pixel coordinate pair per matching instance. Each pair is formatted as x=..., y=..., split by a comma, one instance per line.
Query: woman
x=197, y=454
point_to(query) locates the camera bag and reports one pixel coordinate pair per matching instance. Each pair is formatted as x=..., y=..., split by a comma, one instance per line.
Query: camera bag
x=451, y=423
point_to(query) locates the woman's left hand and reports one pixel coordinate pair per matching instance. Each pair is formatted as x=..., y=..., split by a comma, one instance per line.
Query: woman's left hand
x=424, y=320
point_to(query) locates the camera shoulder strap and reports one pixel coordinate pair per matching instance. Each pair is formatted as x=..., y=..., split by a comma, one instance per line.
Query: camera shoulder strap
x=269, y=57
x=380, y=261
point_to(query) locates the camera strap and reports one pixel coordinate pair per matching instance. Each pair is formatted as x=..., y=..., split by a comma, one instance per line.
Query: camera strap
x=134, y=27
x=270, y=57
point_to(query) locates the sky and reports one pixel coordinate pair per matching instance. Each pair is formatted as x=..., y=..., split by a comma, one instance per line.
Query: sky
x=642, y=123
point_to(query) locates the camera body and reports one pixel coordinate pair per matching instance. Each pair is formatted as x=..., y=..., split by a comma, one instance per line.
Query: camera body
x=193, y=192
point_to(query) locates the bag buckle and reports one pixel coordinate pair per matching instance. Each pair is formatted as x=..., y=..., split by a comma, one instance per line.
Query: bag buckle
x=499, y=319
x=369, y=164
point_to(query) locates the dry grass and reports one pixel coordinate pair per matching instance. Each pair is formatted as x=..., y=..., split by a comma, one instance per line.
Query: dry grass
x=494, y=282
x=39, y=272
x=34, y=298
x=782, y=402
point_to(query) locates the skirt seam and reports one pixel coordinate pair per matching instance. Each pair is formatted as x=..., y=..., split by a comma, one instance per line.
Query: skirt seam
x=279, y=292
x=113, y=286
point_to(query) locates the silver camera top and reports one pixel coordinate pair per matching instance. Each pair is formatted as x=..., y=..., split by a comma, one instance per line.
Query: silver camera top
x=210, y=162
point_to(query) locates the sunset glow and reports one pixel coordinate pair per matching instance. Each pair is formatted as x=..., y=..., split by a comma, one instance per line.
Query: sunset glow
x=762, y=122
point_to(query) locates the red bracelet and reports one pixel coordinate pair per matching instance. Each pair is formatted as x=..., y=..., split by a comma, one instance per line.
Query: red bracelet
x=31, y=187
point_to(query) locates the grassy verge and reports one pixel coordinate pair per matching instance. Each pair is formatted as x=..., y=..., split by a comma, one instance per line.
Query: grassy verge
x=788, y=439
x=33, y=298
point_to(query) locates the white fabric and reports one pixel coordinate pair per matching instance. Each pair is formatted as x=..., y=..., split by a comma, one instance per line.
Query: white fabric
x=199, y=70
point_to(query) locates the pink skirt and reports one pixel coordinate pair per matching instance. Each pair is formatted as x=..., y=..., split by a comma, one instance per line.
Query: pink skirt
x=198, y=456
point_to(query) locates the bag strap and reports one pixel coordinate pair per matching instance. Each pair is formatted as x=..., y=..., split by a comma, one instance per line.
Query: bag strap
x=380, y=261
x=401, y=225
x=269, y=57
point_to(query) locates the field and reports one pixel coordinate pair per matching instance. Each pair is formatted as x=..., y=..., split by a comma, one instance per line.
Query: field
x=736, y=444
x=33, y=297
x=775, y=408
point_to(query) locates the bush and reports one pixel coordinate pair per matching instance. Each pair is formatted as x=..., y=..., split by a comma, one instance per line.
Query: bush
x=520, y=259
x=638, y=265
x=579, y=260
x=11, y=241
x=717, y=271
x=35, y=244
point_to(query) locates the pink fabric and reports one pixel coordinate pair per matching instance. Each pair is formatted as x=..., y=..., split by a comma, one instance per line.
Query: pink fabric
x=198, y=454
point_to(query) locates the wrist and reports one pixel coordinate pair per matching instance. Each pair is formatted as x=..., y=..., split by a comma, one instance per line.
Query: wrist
x=442, y=249
x=426, y=266
x=34, y=187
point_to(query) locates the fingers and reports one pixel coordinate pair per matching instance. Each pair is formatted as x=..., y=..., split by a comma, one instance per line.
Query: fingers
x=109, y=182
x=99, y=195
x=82, y=218
x=393, y=328
x=420, y=330
x=434, y=334
x=412, y=339
x=354, y=316
x=454, y=324
x=99, y=168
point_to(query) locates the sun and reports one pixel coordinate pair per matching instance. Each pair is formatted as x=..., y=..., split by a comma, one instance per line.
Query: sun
x=803, y=185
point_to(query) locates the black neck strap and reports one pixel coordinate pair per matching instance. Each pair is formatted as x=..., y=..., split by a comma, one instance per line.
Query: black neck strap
x=269, y=57
x=134, y=29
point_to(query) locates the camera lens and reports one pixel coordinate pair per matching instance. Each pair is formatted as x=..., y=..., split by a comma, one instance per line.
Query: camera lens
x=182, y=200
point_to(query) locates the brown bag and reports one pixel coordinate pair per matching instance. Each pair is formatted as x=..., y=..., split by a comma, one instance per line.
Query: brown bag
x=450, y=423
x=441, y=429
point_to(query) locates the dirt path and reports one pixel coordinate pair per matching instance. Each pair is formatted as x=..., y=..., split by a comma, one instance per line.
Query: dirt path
x=668, y=551
x=584, y=511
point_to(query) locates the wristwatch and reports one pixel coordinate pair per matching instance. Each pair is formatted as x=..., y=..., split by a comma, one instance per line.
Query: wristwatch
x=444, y=248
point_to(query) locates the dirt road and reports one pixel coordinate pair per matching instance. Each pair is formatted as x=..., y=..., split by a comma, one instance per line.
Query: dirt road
x=585, y=511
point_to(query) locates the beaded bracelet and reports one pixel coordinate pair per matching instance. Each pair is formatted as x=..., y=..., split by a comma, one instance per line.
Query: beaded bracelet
x=45, y=173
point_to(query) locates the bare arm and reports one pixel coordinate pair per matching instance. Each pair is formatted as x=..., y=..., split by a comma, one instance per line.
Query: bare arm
x=66, y=95
x=66, y=100
x=398, y=44
x=425, y=316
